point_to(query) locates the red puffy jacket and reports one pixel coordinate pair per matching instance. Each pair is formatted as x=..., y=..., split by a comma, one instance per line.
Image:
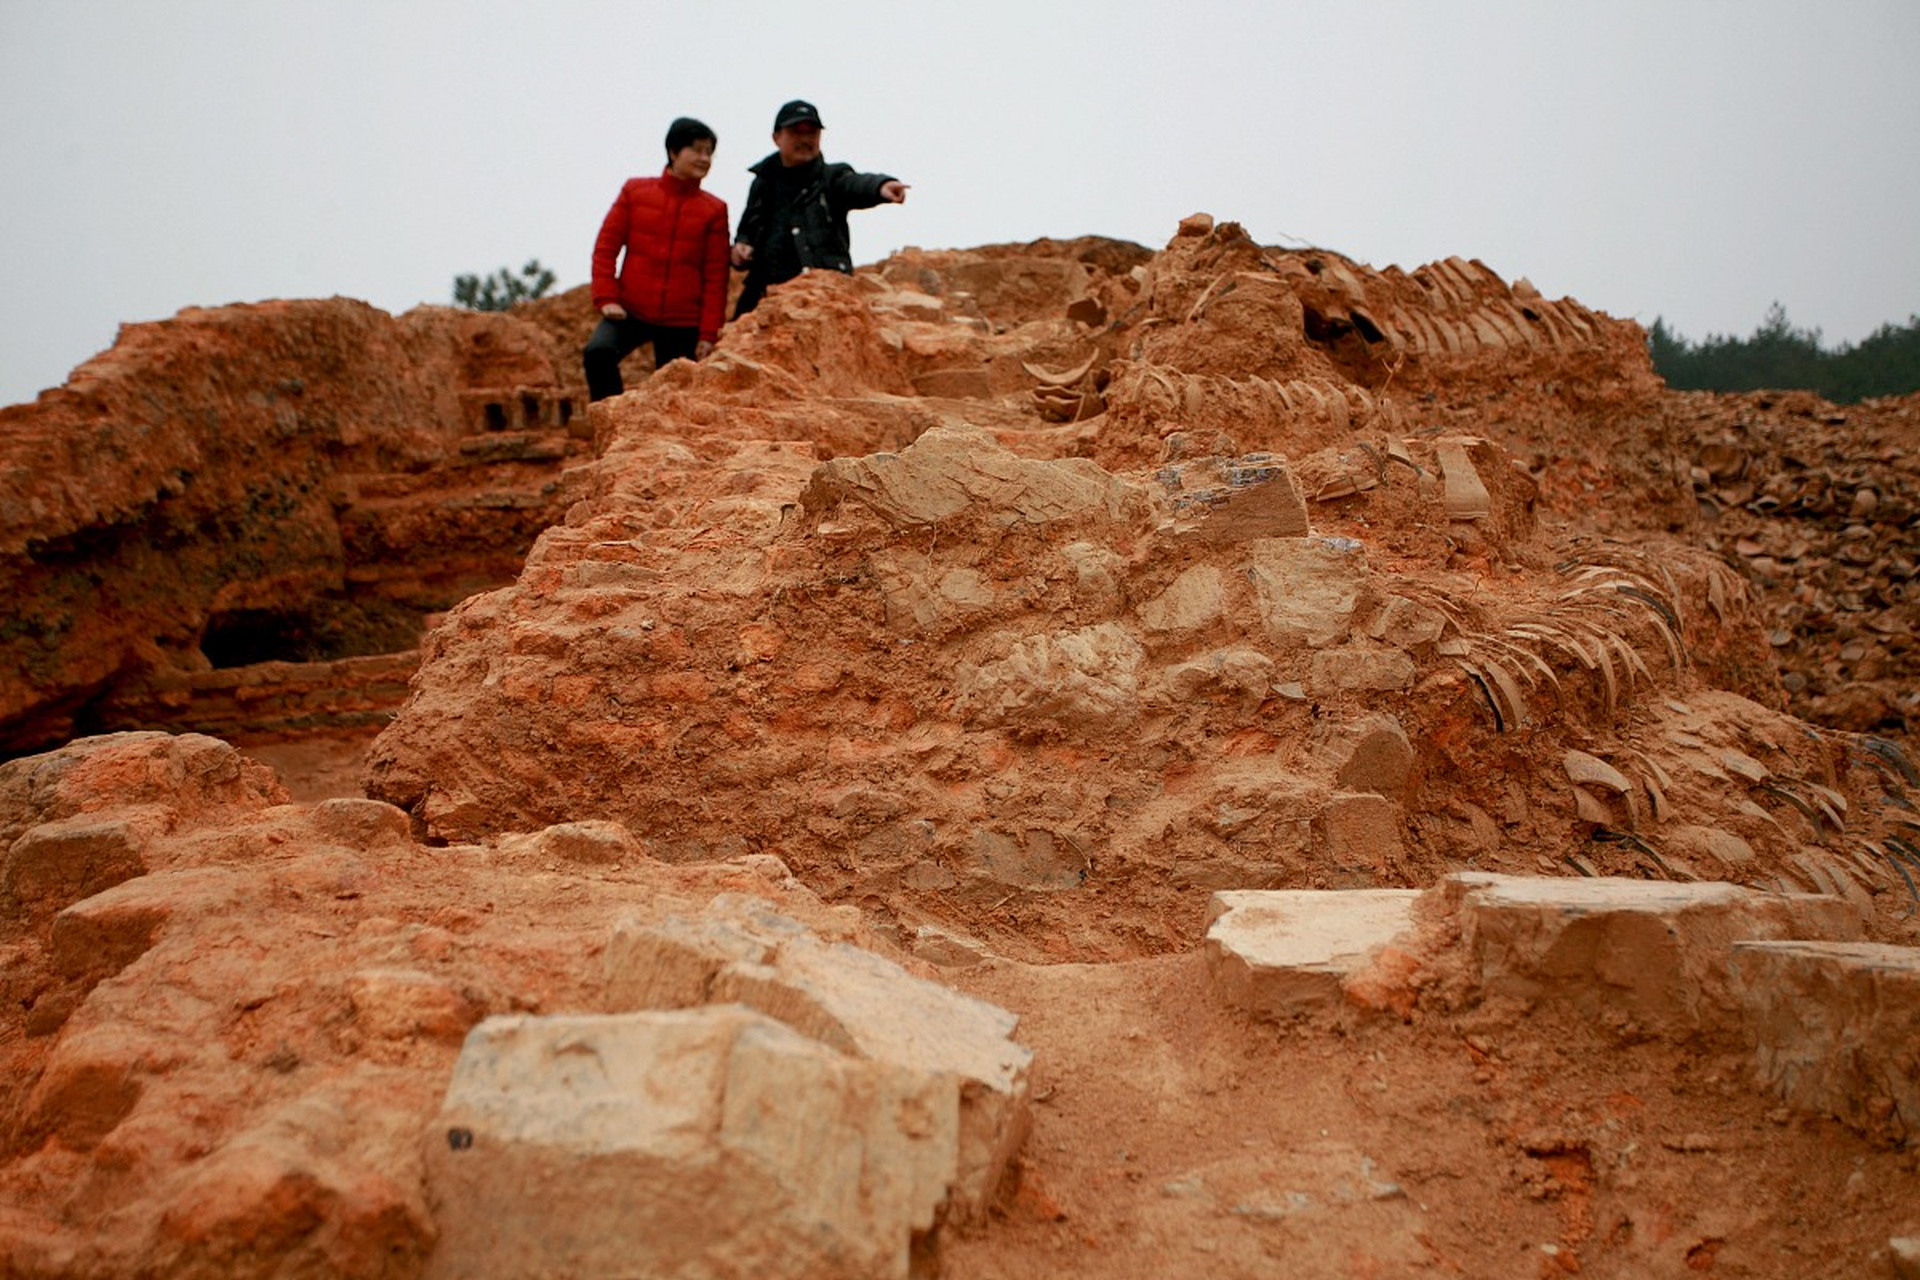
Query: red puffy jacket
x=675, y=238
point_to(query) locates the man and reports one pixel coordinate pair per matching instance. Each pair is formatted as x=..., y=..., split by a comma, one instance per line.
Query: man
x=796, y=214
x=671, y=289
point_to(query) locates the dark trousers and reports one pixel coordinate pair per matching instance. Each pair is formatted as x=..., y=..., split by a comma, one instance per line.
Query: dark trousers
x=614, y=340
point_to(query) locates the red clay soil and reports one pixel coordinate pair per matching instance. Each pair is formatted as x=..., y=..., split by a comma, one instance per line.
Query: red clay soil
x=989, y=610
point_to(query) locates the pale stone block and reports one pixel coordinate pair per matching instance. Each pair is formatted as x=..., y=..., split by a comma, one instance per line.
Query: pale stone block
x=1243, y=672
x=672, y=964
x=1240, y=500
x=1357, y=667
x=1082, y=679
x=1836, y=1029
x=1651, y=952
x=700, y=1143
x=1193, y=601
x=950, y=470
x=1307, y=589
x=594, y=842
x=1362, y=829
x=1372, y=754
x=851, y=1000
x=1287, y=953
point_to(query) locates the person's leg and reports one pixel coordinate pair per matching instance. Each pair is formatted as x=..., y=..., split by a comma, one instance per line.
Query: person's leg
x=611, y=342
x=674, y=344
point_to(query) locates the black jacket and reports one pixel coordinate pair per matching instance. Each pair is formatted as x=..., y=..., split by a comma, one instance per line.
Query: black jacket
x=807, y=230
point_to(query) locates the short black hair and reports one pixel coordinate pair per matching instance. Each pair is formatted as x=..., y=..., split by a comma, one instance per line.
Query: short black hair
x=686, y=131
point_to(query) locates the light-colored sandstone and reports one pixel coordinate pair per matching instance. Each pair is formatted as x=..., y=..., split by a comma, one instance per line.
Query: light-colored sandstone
x=714, y=1142
x=1836, y=1029
x=1651, y=953
x=848, y=999
x=1288, y=953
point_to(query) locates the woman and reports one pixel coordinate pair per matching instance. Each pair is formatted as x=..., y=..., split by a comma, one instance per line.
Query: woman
x=671, y=286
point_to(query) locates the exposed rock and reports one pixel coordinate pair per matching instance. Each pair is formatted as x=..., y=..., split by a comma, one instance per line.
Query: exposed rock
x=1653, y=956
x=1284, y=954
x=1833, y=1025
x=142, y=479
x=985, y=610
x=707, y=1142
x=849, y=1000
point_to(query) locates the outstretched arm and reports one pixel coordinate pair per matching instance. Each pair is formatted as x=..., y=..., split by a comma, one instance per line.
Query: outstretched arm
x=865, y=190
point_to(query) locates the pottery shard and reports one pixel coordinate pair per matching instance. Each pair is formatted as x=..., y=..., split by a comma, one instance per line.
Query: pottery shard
x=1653, y=952
x=1465, y=494
x=1373, y=754
x=1287, y=953
x=953, y=471
x=1835, y=1026
x=1585, y=770
x=849, y=1000
x=699, y=1143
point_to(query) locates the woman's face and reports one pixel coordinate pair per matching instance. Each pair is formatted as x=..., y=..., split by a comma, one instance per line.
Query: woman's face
x=690, y=163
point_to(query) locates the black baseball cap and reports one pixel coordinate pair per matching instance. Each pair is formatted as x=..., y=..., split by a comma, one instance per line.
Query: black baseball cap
x=797, y=112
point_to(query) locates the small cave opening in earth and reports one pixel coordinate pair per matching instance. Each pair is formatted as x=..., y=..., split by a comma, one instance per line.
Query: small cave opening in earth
x=322, y=631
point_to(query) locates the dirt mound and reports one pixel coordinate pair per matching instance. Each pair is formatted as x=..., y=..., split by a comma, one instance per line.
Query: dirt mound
x=977, y=685
x=984, y=612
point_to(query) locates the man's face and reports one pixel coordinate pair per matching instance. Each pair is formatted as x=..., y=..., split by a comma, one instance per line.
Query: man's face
x=693, y=161
x=797, y=143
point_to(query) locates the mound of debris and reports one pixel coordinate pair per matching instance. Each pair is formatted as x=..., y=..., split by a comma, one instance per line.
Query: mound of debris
x=1045, y=758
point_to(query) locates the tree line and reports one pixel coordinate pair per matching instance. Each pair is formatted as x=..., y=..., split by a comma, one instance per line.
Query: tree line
x=1780, y=357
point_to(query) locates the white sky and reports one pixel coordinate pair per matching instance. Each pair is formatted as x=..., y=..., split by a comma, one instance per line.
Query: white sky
x=1648, y=157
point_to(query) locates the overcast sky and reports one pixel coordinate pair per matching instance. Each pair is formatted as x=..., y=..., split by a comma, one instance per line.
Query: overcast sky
x=1696, y=161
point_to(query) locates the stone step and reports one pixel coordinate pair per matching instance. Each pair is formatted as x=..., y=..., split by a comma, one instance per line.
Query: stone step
x=1644, y=957
x=1288, y=953
x=1649, y=957
x=1836, y=1029
x=858, y=1003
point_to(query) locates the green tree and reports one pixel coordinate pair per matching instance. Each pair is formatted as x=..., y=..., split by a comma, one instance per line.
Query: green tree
x=1780, y=357
x=503, y=288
